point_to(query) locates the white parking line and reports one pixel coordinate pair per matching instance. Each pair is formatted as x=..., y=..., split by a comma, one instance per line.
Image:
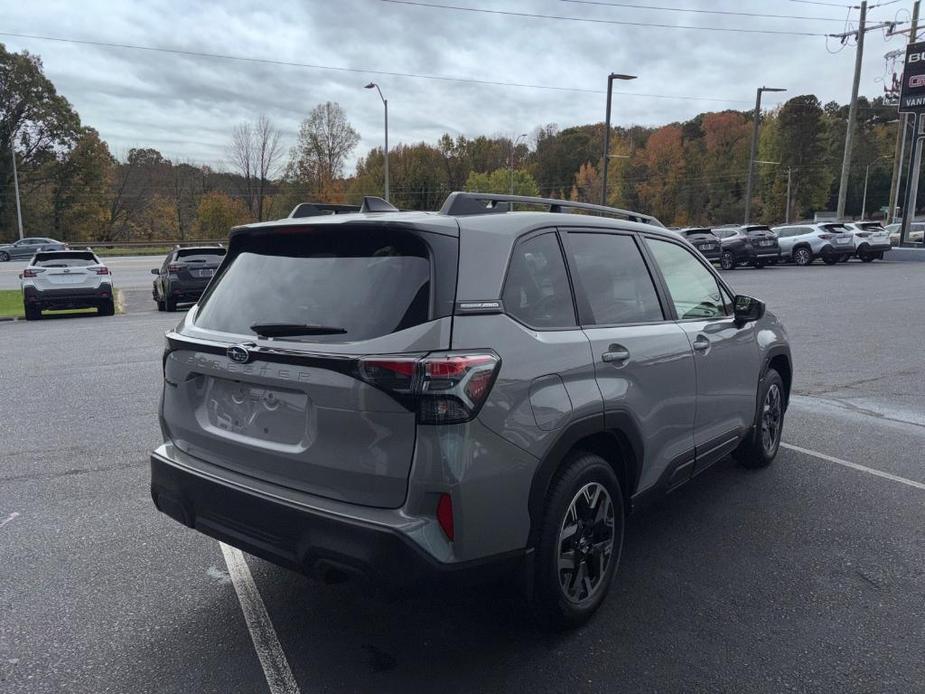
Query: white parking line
x=10, y=517
x=269, y=651
x=854, y=466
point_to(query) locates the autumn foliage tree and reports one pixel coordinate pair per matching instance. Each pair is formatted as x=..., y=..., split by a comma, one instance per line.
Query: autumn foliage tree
x=218, y=213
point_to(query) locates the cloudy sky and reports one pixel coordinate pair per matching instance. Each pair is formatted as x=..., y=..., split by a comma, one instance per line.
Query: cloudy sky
x=186, y=105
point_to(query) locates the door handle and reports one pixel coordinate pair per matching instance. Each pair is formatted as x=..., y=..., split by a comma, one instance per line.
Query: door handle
x=701, y=344
x=616, y=354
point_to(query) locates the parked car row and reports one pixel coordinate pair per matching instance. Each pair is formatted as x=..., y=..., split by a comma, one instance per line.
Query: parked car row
x=758, y=245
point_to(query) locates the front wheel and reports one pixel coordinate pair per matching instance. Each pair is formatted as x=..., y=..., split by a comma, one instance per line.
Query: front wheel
x=758, y=264
x=4, y=256
x=830, y=259
x=727, y=261
x=580, y=542
x=761, y=446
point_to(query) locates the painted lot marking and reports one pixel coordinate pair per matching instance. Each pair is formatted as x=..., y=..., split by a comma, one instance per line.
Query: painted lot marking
x=854, y=466
x=10, y=517
x=272, y=659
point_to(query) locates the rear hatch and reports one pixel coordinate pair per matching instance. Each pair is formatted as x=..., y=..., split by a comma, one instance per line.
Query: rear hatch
x=873, y=233
x=68, y=270
x=196, y=265
x=702, y=239
x=294, y=409
x=762, y=239
x=842, y=237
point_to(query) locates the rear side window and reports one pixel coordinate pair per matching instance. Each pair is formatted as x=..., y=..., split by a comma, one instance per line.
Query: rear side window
x=694, y=290
x=369, y=283
x=615, y=279
x=537, y=291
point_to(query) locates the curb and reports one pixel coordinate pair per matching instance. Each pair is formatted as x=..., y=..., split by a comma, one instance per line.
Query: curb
x=906, y=255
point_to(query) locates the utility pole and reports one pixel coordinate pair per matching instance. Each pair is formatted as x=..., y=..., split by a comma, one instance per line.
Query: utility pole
x=754, y=151
x=787, y=212
x=852, y=113
x=904, y=120
x=513, y=147
x=606, y=158
x=16, y=185
x=864, y=199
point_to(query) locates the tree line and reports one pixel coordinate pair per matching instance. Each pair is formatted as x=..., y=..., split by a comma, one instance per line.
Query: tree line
x=685, y=173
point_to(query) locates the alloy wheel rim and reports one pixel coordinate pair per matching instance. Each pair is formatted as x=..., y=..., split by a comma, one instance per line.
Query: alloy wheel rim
x=726, y=261
x=586, y=542
x=771, y=416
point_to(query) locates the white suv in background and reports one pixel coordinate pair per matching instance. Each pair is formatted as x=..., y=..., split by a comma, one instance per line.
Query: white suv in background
x=59, y=280
x=871, y=240
x=803, y=243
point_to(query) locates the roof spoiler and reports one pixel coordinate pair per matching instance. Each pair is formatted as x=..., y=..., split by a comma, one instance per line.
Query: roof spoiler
x=462, y=204
x=314, y=209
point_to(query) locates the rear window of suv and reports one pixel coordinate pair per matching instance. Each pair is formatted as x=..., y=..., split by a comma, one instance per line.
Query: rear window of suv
x=200, y=255
x=64, y=260
x=369, y=283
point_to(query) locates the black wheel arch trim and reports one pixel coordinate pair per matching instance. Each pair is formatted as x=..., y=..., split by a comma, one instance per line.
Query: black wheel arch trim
x=617, y=423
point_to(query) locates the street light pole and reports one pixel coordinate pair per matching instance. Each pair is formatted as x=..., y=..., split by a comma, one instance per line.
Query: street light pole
x=385, y=104
x=864, y=199
x=787, y=207
x=605, y=159
x=513, y=147
x=754, y=151
x=16, y=186
x=852, y=114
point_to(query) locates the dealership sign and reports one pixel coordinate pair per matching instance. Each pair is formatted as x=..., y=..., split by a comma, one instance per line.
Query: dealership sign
x=912, y=94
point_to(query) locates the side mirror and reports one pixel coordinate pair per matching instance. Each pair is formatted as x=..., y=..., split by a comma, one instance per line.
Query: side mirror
x=155, y=271
x=747, y=309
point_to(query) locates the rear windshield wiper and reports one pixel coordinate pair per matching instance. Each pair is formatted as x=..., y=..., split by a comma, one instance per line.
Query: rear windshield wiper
x=292, y=329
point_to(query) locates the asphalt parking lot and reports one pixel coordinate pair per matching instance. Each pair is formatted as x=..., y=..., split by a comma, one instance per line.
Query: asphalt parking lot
x=807, y=576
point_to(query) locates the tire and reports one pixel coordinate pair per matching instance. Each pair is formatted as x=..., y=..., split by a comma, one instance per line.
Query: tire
x=107, y=309
x=762, y=445
x=772, y=261
x=594, y=549
x=880, y=255
x=4, y=257
x=170, y=304
x=727, y=261
x=759, y=264
x=32, y=313
x=830, y=259
x=160, y=305
x=803, y=256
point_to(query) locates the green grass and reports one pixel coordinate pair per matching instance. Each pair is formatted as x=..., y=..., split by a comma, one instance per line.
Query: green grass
x=11, y=305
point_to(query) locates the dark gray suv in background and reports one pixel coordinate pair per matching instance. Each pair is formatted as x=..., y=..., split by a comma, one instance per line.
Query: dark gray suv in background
x=414, y=397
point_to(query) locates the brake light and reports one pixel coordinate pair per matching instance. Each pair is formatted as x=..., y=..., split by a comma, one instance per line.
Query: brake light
x=826, y=237
x=174, y=268
x=445, y=515
x=101, y=270
x=29, y=272
x=445, y=388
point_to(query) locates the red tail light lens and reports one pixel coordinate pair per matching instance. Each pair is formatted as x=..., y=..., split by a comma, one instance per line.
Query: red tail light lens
x=446, y=388
x=101, y=270
x=29, y=272
x=174, y=268
x=826, y=236
x=445, y=515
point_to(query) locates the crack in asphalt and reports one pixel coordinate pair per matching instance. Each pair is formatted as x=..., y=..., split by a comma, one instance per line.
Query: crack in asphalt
x=67, y=473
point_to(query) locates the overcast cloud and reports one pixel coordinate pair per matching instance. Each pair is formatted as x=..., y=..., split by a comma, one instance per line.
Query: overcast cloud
x=186, y=106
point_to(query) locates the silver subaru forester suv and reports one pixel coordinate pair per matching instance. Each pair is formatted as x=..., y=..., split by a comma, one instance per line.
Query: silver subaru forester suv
x=418, y=398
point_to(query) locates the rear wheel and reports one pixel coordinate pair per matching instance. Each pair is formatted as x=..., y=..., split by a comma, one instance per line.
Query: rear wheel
x=830, y=259
x=170, y=304
x=727, y=261
x=803, y=256
x=160, y=305
x=33, y=312
x=107, y=309
x=4, y=256
x=761, y=446
x=581, y=538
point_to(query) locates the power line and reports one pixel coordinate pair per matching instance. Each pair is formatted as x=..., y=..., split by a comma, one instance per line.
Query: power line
x=365, y=71
x=823, y=4
x=532, y=15
x=633, y=6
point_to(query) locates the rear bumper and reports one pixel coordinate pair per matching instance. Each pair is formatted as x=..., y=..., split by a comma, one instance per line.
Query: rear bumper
x=307, y=539
x=70, y=297
x=710, y=254
x=186, y=291
x=767, y=253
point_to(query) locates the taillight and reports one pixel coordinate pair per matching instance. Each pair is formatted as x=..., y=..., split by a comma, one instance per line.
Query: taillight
x=445, y=388
x=173, y=268
x=445, y=515
x=29, y=272
x=826, y=237
x=101, y=270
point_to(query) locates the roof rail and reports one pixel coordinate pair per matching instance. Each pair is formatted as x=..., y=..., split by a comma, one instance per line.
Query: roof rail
x=314, y=209
x=461, y=204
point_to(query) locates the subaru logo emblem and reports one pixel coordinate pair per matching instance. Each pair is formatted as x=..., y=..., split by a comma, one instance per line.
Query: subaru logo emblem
x=238, y=353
